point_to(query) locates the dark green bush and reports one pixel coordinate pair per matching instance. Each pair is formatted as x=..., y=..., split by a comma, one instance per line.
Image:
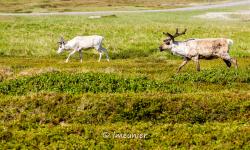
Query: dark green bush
x=83, y=83
x=214, y=76
x=30, y=111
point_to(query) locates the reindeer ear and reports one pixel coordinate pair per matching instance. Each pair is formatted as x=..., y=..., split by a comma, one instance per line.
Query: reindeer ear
x=62, y=40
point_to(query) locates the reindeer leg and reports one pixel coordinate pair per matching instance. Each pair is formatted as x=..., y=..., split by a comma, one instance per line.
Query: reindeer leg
x=100, y=57
x=80, y=52
x=71, y=53
x=228, y=60
x=100, y=50
x=183, y=64
x=198, y=65
x=234, y=61
x=196, y=60
x=105, y=51
x=228, y=63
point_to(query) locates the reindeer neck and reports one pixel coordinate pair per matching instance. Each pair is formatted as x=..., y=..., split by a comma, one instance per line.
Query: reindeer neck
x=67, y=45
x=179, y=48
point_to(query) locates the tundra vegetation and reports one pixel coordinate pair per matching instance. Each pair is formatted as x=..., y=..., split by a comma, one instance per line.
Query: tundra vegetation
x=46, y=103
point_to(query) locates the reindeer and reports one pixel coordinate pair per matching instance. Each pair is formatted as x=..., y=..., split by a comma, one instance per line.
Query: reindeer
x=195, y=49
x=78, y=43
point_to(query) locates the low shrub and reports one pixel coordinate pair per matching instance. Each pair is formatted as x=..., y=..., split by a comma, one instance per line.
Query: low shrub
x=214, y=76
x=53, y=108
x=83, y=83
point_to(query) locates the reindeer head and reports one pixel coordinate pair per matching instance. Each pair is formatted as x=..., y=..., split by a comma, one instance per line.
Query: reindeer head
x=61, y=45
x=168, y=42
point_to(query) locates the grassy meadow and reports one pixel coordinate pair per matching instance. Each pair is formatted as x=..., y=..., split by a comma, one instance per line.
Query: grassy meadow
x=29, y=6
x=48, y=104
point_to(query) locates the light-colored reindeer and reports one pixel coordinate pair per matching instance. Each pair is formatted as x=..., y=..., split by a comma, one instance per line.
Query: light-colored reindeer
x=78, y=43
x=195, y=49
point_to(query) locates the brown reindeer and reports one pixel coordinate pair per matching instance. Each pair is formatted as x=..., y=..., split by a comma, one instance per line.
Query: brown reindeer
x=195, y=49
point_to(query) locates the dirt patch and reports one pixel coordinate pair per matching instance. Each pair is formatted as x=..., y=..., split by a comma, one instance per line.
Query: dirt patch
x=35, y=71
x=102, y=16
x=5, y=72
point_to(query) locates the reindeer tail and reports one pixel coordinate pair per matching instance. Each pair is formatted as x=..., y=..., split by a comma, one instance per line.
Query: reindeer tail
x=230, y=42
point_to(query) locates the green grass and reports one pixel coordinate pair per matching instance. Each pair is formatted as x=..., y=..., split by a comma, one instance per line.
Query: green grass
x=48, y=104
x=126, y=36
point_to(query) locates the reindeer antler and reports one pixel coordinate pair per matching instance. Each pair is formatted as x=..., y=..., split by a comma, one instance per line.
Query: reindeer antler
x=169, y=35
x=178, y=34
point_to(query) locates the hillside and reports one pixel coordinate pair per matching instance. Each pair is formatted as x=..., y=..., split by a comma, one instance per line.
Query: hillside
x=135, y=101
